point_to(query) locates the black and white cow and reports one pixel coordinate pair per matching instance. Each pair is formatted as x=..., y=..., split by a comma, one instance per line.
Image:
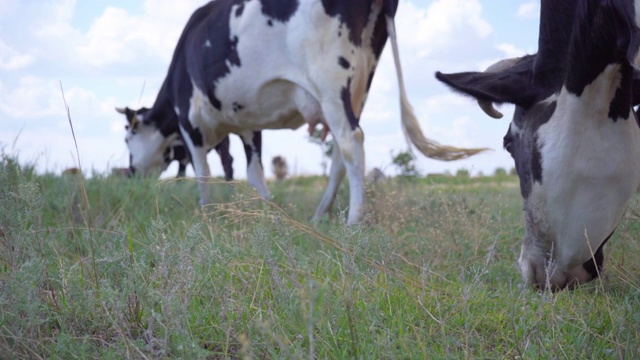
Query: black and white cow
x=247, y=65
x=574, y=137
x=178, y=151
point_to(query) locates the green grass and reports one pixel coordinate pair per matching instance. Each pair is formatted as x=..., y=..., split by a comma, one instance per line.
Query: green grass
x=109, y=268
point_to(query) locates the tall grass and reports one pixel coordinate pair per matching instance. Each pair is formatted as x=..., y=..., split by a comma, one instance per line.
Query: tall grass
x=139, y=270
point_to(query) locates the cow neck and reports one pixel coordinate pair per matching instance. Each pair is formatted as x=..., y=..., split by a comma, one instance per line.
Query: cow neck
x=162, y=115
x=556, y=24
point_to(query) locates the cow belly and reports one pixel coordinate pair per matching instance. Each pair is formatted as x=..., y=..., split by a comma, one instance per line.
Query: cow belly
x=278, y=104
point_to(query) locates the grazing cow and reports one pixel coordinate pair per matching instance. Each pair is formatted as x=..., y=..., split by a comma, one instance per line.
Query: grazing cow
x=120, y=172
x=247, y=65
x=376, y=176
x=72, y=171
x=178, y=150
x=279, y=167
x=574, y=137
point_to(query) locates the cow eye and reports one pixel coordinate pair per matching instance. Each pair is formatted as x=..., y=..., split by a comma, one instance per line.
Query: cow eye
x=126, y=127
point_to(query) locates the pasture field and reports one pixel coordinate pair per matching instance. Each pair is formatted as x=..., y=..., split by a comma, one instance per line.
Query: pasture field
x=109, y=268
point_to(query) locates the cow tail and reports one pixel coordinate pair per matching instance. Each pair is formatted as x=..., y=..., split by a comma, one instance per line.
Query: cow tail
x=410, y=124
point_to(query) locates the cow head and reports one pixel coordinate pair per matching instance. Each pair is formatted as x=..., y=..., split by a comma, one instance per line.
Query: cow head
x=573, y=137
x=150, y=151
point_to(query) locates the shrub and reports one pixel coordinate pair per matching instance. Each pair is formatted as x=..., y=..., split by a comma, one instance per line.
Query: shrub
x=405, y=162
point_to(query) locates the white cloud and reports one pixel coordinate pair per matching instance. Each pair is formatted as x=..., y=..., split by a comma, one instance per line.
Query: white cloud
x=11, y=59
x=117, y=37
x=56, y=17
x=529, y=10
x=32, y=98
x=443, y=26
x=109, y=38
x=510, y=50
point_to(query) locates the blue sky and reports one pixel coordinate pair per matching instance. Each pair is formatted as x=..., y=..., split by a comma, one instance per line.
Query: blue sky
x=116, y=53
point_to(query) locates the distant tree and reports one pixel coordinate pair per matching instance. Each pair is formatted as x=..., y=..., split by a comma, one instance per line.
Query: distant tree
x=405, y=162
x=513, y=172
x=500, y=172
x=463, y=173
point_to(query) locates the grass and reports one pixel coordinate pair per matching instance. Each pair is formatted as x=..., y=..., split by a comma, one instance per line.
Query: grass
x=138, y=270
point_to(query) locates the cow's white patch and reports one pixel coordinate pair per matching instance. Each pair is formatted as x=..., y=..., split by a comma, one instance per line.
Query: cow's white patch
x=207, y=43
x=582, y=150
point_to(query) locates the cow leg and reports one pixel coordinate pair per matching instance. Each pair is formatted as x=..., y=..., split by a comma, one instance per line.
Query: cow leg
x=225, y=158
x=350, y=141
x=200, y=166
x=336, y=174
x=182, y=170
x=255, y=173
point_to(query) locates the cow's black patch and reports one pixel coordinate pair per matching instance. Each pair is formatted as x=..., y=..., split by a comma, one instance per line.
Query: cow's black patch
x=195, y=135
x=237, y=107
x=182, y=170
x=343, y=62
x=353, y=14
x=345, y=95
x=255, y=147
x=525, y=146
x=620, y=106
x=239, y=10
x=601, y=35
x=180, y=153
x=370, y=79
x=269, y=22
x=536, y=162
x=204, y=65
x=279, y=10
x=225, y=158
x=166, y=156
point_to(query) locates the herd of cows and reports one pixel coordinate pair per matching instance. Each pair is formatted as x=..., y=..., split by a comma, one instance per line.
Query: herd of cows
x=242, y=66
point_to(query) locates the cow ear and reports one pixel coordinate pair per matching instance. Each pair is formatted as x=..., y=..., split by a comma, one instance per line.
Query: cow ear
x=507, y=81
x=506, y=86
x=128, y=113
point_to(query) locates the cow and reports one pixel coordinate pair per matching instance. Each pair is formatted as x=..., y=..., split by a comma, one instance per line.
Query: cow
x=573, y=137
x=279, y=167
x=178, y=150
x=72, y=171
x=242, y=66
x=120, y=172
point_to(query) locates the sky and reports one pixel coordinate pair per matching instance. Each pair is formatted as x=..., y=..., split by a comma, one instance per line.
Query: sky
x=103, y=54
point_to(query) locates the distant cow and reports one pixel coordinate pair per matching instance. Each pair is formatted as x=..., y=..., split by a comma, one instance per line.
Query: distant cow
x=574, y=138
x=279, y=167
x=72, y=171
x=376, y=176
x=178, y=150
x=243, y=66
x=121, y=172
